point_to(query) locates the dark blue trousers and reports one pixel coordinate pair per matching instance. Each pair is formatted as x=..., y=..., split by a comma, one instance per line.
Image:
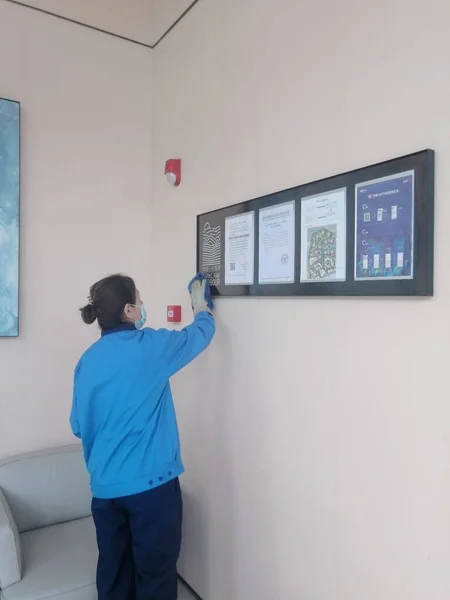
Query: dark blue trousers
x=139, y=539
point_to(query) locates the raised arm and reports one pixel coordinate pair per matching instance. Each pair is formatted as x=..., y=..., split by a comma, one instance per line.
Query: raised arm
x=176, y=349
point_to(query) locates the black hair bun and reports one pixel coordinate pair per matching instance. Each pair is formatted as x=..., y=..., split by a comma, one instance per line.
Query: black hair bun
x=88, y=314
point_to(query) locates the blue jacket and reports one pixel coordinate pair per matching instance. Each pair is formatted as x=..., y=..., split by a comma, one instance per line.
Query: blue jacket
x=123, y=409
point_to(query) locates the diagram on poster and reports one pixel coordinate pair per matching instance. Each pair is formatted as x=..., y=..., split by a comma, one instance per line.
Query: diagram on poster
x=240, y=249
x=384, y=228
x=211, y=253
x=323, y=237
x=277, y=244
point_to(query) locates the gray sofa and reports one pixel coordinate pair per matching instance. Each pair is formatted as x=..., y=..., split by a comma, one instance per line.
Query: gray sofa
x=48, y=548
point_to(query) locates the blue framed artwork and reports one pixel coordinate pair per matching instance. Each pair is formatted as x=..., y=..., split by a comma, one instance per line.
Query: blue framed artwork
x=9, y=217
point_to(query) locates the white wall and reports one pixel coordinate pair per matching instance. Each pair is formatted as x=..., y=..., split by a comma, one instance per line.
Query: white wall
x=316, y=432
x=86, y=188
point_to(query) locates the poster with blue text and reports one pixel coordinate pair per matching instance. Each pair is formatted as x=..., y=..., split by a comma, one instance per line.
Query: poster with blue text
x=384, y=228
x=9, y=217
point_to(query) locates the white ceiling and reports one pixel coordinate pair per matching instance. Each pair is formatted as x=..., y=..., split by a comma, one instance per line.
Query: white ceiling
x=141, y=20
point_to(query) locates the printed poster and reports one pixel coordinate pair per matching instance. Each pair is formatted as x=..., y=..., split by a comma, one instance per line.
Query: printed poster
x=323, y=237
x=384, y=228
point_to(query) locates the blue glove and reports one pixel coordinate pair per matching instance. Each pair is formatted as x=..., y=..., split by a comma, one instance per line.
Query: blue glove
x=205, y=293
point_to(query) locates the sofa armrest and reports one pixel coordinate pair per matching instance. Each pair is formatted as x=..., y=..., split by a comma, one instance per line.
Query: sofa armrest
x=10, y=553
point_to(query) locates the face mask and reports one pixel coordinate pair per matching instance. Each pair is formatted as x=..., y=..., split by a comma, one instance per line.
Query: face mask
x=140, y=324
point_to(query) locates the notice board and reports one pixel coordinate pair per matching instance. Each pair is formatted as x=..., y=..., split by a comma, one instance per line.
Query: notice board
x=367, y=232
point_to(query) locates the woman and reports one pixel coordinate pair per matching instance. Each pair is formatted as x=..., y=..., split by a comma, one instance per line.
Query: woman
x=124, y=414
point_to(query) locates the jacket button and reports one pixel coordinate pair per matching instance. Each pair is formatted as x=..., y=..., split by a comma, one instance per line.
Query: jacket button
x=170, y=473
x=160, y=478
x=150, y=482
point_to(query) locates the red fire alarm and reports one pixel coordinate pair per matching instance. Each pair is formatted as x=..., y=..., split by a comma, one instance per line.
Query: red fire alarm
x=174, y=314
x=173, y=171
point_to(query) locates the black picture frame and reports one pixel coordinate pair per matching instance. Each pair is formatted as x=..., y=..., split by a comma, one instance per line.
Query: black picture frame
x=420, y=282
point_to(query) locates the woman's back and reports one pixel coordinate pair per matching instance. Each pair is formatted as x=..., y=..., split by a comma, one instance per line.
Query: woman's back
x=123, y=409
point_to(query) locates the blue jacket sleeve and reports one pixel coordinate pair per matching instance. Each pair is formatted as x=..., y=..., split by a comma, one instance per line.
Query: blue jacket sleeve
x=176, y=349
x=74, y=423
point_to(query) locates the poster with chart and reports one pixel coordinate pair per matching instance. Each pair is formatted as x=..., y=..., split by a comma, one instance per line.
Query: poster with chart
x=240, y=249
x=277, y=244
x=323, y=237
x=384, y=228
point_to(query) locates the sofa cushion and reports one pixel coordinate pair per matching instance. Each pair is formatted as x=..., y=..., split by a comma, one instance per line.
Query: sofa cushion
x=44, y=488
x=59, y=563
x=10, y=554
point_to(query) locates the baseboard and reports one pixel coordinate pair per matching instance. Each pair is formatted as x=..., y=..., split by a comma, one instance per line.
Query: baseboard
x=190, y=589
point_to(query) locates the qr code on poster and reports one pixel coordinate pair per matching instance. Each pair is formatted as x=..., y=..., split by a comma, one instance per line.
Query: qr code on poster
x=232, y=266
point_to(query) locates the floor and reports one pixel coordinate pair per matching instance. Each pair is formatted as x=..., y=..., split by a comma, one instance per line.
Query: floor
x=185, y=594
